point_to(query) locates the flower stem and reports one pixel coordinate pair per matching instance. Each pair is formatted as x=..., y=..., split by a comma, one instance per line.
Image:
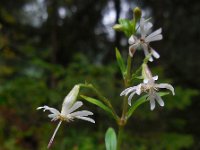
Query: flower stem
x=52, y=138
x=122, y=121
x=119, y=137
x=126, y=84
x=102, y=98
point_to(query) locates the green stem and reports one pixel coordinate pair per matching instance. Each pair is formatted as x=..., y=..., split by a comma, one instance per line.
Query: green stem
x=102, y=98
x=128, y=71
x=122, y=121
x=119, y=137
x=127, y=84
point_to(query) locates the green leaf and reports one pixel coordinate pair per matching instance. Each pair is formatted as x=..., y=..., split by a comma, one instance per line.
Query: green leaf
x=140, y=101
x=120, y=62
x=97, y=103
x=128, y=26
x=111, y=139
x=137, y=74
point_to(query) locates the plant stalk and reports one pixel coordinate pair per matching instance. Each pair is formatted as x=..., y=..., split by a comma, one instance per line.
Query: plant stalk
x=119, y=137
x=123, y=119
x=102, y=98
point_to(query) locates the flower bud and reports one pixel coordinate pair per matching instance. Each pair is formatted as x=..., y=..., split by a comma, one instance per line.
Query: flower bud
x=137, y=13
x=72, y=96
x=146, y=73
x=118, y=27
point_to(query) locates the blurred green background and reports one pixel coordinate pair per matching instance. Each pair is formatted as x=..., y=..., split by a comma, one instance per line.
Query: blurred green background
x=47, y=46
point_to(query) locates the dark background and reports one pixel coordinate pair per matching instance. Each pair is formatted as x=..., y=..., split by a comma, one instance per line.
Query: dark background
x=47, y=46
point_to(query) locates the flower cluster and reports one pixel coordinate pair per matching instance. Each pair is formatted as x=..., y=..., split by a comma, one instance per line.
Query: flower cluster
x=148, y=85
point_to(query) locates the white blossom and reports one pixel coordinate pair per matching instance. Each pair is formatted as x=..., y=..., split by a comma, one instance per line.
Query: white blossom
x=145, y=39
x=151, y=88
x=68, y=112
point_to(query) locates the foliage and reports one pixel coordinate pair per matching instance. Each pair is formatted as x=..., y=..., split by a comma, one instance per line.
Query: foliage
x=111, y=139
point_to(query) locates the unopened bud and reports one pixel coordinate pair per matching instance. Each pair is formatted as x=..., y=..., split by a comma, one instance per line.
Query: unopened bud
x=137, y=13
x=118, y=27
x=146, y=73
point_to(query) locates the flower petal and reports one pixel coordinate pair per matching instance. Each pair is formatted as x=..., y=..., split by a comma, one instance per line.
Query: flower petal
x=155, y=78
x=132, y=40
x=128, y=90
x=138, y=89
x=52, y=116
x=142, y=23
x=166, y=86
x=81, y=113
x=70, y=98
x=152, y=102
x=75, y=106
x=155, y=33
x=159, y=100
x=147, y=27
x=155, y=54
x=130, y=98
x=154, y=38
x=146, y=52
x=132, y=50
x=86, y=119
x=125, y=91
x=145, y=81
x=52, y=110
x=133, y=47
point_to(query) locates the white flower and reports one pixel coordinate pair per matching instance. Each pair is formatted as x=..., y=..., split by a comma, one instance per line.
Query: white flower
x=145, y=39
x=151, y=88
x=68, y=112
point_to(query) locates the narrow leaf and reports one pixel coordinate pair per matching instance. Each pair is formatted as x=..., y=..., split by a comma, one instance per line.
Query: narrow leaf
x=97, y=103
x=137, y=73
x=120, y=62
x=140, y=101
x=111, y=139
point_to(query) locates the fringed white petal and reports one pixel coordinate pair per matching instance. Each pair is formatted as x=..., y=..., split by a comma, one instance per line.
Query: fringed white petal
x=75, y=106
x=52, y=116
x=86, y=119
x=155, y=33
x=159, y=100
x=125, y=91
x=132, y=40
x=128, y=90
x=154, y=38
x=166, y=86
x=52, y=110
x=155, y=78
x=145, y=81
x=155, y=54
x=81, y=113
x=70, y=98
x=130, y=98
x=142, y=30
x=147, y=27
x=152, y=102
x=133, y=48
x=146, y=52
x=138, y=89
